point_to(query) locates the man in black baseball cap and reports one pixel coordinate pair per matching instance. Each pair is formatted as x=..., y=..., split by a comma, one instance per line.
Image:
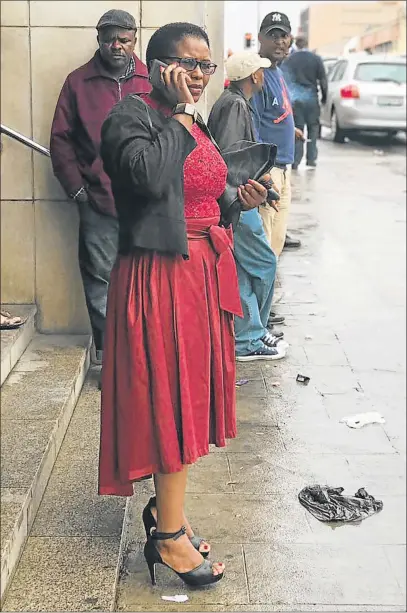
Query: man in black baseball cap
x=275, y=21
x=274, y=121
x=88, y=95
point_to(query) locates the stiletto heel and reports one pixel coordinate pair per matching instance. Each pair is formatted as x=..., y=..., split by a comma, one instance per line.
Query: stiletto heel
x=150, y=524
x=151, y=568
x=198, y=577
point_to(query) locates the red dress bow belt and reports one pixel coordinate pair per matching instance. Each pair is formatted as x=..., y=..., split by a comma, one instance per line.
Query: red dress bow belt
x=222, y=242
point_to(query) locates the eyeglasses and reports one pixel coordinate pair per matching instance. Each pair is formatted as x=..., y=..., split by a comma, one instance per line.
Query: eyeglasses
x=190, y=64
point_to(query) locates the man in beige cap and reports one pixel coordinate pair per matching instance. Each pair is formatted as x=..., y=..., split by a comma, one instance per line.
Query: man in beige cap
x=231, y=121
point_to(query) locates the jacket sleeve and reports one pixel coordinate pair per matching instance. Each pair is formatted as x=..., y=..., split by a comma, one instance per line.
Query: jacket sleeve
x=230, y=124
x=258, y=103
x=63, y=157
x=135, y=154
x=323, y=83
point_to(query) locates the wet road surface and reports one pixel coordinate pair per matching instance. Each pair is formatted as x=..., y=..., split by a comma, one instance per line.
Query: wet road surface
x=343, y=295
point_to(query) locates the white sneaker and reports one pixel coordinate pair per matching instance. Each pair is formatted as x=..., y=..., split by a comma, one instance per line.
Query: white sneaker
x=265, y=353
x=272, y=341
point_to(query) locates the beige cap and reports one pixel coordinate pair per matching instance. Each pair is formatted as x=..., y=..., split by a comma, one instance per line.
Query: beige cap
x=243, y=64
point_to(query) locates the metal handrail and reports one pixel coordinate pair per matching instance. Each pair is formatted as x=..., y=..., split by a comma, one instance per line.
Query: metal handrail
x=24, y=140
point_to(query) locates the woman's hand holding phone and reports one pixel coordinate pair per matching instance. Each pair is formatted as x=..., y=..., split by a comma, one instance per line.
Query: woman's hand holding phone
x=176, y=80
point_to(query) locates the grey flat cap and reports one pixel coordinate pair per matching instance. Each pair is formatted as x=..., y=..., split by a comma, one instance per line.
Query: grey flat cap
x=118, y=18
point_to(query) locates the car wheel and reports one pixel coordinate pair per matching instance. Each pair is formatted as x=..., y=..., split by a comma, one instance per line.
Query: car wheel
x=338, y=135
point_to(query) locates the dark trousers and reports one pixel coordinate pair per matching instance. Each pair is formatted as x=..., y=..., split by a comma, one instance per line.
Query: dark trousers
x=306, y=113
x=98, y=243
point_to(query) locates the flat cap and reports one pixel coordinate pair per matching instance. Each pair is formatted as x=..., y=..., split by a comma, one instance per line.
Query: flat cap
x=118, y=18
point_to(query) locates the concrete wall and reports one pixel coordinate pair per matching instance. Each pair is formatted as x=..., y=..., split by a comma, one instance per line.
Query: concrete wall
x=41, y=42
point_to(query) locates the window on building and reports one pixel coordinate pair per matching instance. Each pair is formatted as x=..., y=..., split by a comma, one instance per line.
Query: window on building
x=381, y=71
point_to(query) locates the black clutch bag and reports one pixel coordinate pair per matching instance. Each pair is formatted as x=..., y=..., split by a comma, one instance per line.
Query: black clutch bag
x=245, y=160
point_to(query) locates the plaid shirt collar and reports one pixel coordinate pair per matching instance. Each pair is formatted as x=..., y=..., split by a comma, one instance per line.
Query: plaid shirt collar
x=130, y=70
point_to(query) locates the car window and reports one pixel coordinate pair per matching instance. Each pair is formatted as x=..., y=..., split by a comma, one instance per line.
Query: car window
x=381, y=72
x=332, y=72
x=329, y=66
x=338, y=72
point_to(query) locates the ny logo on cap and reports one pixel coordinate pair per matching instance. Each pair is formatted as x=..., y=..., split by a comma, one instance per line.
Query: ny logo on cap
x=276, y=17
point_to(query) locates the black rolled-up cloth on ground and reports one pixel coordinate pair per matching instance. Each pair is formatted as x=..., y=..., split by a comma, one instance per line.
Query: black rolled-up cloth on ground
x=328, y=504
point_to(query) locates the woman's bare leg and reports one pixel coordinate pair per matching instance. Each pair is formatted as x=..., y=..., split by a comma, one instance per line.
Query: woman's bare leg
x=204, y=547
x=170, y=492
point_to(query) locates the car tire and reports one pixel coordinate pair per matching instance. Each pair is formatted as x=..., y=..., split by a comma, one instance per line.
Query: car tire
x=338, y=135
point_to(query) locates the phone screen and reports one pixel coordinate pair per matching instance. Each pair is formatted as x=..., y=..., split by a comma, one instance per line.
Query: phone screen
x=156, y=80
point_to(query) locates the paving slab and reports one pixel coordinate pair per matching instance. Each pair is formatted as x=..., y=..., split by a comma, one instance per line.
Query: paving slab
x=14, y=342
x=289, y=435
x=72, y=555
x=38, y=399
x=135, y=586
x=64, y=574
x=397, y=556
x=385, y=528
x=322, y=575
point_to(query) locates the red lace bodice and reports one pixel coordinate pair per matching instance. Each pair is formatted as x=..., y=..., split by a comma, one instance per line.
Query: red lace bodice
x=205, y=172
x=205, y=175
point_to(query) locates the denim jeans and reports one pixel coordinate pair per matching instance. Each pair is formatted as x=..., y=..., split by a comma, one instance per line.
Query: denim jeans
x=306, y=113
x=256, y=269
x=98, y=242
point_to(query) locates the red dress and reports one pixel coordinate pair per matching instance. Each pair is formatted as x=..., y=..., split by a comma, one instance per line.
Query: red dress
x=169, y=354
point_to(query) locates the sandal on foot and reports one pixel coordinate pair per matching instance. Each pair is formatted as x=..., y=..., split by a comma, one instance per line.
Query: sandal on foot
x=150, y=524
x=198, y=577
x=8, y=322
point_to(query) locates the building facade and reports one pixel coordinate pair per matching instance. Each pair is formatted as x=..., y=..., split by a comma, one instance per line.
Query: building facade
x=330, y=25
x=386, y=38
x=41, y=42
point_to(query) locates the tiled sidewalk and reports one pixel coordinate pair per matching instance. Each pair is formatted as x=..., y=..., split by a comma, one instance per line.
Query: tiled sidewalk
x=244, y=499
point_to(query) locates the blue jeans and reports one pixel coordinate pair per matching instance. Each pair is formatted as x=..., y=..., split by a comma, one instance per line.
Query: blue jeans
x=256, y=269
x=306, y=113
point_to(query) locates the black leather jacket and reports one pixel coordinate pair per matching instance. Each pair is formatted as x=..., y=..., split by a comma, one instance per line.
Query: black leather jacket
x=230, y=118
x=144, y=153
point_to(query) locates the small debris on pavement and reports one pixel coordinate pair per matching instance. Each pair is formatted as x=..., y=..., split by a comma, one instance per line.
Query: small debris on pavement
x=241, y=382
x=176, y=598
x=363, y=419
x=328, y=504
x=303, y=379
x=309, y=337
x=275, y=384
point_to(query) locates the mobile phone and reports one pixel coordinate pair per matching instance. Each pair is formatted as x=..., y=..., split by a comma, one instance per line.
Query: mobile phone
x=157, y=81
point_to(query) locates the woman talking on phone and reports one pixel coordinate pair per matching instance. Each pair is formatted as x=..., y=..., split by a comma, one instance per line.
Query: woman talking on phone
x=168, y=383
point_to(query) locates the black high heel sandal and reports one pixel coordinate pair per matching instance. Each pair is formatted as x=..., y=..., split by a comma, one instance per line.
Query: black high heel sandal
x=198, y=577
x=150, y=523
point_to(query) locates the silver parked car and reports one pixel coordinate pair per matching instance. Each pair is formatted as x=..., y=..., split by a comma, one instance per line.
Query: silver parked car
x=366, y=93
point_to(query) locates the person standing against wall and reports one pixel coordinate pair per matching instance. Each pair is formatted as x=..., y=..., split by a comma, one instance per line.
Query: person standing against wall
x=305, y=75
x=274, y=123
x=87, y=96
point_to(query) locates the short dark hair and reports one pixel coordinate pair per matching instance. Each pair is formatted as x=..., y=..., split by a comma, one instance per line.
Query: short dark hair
x=301, y=42
x=164, y=40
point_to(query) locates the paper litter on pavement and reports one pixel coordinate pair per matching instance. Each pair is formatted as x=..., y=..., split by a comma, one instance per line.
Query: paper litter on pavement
x=363, y=419
x=176, y=598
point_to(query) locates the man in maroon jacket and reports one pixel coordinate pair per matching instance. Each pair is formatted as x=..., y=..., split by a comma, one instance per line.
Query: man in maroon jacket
x=88, y=94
